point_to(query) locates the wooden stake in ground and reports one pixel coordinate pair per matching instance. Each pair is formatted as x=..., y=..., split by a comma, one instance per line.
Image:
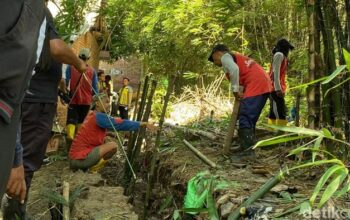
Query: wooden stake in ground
x=156, y=147
x=199, y=154
x=232, y=126
x=66, y=212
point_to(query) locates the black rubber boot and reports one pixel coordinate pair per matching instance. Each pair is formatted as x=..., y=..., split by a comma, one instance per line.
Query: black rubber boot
x=246, y=140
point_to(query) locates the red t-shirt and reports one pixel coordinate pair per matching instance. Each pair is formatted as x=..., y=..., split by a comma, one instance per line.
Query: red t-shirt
x=90, y=135
x=252, y=77
x=83, y=95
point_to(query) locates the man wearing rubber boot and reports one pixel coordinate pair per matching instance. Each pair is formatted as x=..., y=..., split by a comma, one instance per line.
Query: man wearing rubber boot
x=244, y=71
x=278, y=73
x=81, y=94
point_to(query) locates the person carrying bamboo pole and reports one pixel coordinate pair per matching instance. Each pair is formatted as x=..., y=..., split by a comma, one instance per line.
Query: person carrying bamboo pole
x=89, y=149
x=244, y=71
x=278, y=73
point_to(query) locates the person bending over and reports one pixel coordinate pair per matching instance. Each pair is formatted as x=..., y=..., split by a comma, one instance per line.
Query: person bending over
x=89, y=149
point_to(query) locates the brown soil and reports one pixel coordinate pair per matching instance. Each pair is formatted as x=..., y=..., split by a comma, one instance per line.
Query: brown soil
x=97, y=201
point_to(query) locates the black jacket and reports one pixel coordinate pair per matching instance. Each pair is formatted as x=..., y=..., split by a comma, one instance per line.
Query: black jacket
x=18, y=48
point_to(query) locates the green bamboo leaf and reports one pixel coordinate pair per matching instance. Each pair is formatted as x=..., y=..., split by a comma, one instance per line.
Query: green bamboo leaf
x=323, y=180
x=316, y=148
x=336, y=86
x=297, y=130
x=347, y=58
x=344, y=190
x=298, y=151
x=176, y=215
x=285, y=195
x=305, y=208
x=334, y=74
x=327, y=133
x=279, y=139
x=302, y=148
x=332, y=188
x=317, y=163
x=308, y=84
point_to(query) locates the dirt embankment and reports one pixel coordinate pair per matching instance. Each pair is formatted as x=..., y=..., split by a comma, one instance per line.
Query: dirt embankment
x=96, y=201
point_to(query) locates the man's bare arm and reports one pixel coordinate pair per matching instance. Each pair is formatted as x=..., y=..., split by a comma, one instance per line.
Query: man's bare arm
x=64, y=54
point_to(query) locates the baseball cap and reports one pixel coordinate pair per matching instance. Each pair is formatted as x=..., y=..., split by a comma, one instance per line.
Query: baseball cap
x=84, y=53
x=218, y=47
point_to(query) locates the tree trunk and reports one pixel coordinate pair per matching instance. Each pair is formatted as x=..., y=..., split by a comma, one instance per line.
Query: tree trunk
x=331, y=64
x=326, y=101
x=347, y=85
x=311, y=15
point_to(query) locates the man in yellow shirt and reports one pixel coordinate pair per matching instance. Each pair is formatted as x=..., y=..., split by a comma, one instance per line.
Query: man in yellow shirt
x=125, y=94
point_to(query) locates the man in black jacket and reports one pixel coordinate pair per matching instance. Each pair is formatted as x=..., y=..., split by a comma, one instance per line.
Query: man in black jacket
x=60, y=52
x=20, y=26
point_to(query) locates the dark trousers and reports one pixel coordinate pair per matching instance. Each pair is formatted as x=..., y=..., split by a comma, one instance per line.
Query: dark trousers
x=250, y=110
x=37, y=120
x=277, y=107
x=123, y=112
x=8, y=134
x=77, y=113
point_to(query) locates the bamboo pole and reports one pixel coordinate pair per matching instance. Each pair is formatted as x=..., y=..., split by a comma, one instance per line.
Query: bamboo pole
x=199, y=154
x=206, y=134
x=141, y=135
x=157, y=144
x=145, y=118
x=257, y=195
x=137, y=101
x=131, y=144
x=66, y=212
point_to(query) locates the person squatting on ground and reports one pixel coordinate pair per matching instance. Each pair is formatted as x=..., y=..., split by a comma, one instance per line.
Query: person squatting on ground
x=125, y=97
x=89, y=149
x=20, y=38
x=244, y=71
x=278, y=73
x=38, y=110
x=81, y=94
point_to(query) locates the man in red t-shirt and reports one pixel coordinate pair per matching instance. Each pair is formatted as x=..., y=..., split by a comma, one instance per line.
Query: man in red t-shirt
x=82, y=88
x=89, y=147
x=278, y=73
x=244, y=71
